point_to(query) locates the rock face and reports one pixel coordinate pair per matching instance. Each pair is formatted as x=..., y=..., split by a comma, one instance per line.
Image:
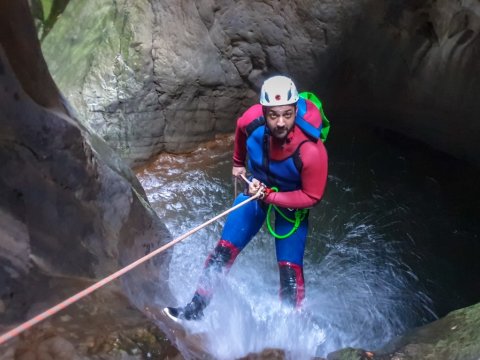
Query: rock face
x=455, y=336
x=412, y=66
x=162, y=75
x=69, y=207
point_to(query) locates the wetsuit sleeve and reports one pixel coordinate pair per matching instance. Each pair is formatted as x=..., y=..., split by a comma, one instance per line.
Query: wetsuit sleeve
x=240, y=145
x=314, y=178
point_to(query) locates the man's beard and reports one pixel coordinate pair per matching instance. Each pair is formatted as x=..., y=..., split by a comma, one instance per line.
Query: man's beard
x=280, y=133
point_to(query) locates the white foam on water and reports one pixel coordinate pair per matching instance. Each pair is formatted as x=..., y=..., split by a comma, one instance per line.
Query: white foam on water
x=237, y=324
x=360, y=292
x=359, y=295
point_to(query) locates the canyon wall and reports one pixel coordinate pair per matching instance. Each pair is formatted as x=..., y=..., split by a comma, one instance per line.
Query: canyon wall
x=163, y=76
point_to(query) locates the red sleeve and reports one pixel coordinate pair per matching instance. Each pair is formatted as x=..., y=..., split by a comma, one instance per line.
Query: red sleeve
x=314, y=178
x=240, y=145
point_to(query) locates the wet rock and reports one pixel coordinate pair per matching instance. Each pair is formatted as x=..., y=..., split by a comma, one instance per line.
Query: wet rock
x=164, y=77
x=130, y=69
x=102, y=326
x=270, y=354
x=351, y=354
x=455, y=336
x=54, y=348
x=157, y=76
x=71, y=212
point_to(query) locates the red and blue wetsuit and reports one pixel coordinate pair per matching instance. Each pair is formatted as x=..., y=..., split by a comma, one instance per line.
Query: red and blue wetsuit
x=297, y=166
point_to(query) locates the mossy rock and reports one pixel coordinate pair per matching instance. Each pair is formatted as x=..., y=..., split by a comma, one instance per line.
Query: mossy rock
x=456, y=336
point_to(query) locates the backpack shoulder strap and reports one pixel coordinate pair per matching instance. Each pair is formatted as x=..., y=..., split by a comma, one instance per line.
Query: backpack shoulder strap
x=308, y=128
x=297, y=161
x=254, y=125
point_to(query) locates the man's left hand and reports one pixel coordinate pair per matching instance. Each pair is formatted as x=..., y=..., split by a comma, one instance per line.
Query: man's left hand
x=254, y=187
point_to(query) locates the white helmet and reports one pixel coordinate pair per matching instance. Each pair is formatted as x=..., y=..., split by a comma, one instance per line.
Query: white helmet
x=278, y=90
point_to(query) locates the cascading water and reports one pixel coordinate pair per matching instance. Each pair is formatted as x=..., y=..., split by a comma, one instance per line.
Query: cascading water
x=366, y=278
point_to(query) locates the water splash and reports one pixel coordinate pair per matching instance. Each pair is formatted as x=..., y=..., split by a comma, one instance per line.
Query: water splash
x=362, y=271
x=239, y=323
x=364, y=295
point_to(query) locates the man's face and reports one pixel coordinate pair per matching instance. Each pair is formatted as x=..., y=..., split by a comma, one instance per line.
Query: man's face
x=280, y=120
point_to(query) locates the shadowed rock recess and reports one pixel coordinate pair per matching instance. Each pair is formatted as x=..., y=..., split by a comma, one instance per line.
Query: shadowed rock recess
x=150, y=76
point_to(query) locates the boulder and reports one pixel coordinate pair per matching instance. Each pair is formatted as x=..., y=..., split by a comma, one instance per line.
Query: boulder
x=455, y=336
x=69, y=207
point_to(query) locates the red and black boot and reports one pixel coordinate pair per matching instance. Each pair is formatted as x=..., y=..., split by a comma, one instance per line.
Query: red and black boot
x=292, y=286
x=218, y=262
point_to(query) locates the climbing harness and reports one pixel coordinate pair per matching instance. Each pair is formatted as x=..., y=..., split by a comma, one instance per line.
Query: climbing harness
x=300, y=214
x=62, y=305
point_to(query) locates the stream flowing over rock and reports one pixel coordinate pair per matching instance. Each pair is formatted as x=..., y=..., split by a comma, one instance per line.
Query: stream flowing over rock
x=154, y=76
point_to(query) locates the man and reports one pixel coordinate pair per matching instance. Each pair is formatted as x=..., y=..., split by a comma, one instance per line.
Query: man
x=290, y=167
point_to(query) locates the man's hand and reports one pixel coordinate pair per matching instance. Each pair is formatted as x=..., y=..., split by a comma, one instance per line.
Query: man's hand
x=238, y=171
x=254, y=186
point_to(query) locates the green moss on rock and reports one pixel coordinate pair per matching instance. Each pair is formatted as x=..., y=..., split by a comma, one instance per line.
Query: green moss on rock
x=456, y=336
x=96, y=39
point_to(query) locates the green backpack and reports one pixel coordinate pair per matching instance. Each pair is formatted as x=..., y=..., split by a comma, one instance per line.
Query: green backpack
x=325, y=128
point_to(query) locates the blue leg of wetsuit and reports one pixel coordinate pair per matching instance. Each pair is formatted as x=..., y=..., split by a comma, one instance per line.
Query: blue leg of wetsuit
x=240, y=227
x=290, y=253
x=242, y=224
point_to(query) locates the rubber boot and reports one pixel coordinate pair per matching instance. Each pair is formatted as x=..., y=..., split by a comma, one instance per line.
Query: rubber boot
x=292, y=286
x=218, y=262
x=222, y=256
x=192, y=311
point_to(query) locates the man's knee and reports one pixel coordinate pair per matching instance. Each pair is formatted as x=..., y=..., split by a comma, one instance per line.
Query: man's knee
x=223, y=256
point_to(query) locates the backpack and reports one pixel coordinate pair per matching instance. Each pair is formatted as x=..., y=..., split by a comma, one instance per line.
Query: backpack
x=317, y=133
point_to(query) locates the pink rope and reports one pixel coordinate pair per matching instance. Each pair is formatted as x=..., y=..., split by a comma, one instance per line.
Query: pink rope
x=53, y=310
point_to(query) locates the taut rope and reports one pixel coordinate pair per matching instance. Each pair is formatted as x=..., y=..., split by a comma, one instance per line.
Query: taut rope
x=53, y=310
